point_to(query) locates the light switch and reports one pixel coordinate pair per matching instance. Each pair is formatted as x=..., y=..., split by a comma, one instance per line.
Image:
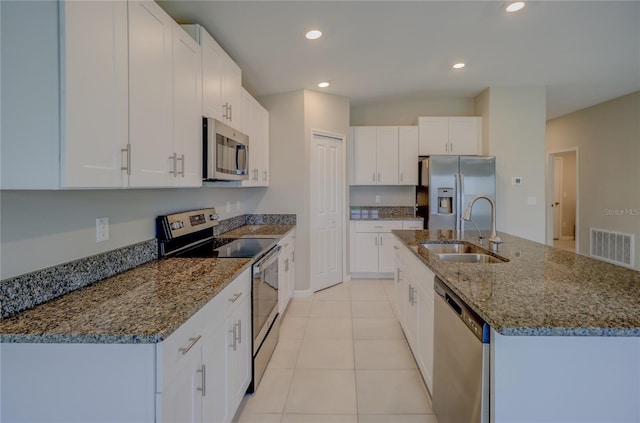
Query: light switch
x=377, y=198
x=102, y=229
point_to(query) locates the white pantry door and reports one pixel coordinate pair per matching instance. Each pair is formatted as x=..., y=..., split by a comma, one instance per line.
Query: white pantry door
x=327, y=184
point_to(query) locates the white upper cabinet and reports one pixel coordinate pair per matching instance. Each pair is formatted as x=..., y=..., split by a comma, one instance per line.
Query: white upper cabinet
x=408, y=155
x=255, y=123
x=187, y=110
x=94, y=93
x=387, y=155
x=112, y=99
x=384, y=155
x=460, y=135
x=150, y=95
x=64, y=94
x=221, y=80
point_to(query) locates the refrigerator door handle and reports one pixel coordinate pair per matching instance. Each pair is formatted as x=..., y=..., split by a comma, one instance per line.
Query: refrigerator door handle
x=456, y=204
x=461, y=196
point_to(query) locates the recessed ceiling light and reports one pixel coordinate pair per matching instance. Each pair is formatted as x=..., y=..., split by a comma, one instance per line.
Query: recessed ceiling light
x=459, y=65
x=324, y=84
x=314, y=34
x=515, y=6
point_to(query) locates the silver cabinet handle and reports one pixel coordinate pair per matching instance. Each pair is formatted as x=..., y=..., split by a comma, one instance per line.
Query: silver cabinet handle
x=239, y=331
x=203, y=371
x=127, y=161
x=230, y=112
x=232, y=331
x=451, y=146
x=381, y=241
x=410, y=298
x=235, y=297
x=379, y=227
x=225, y=107
x=174, y=159
x=374, y=176
x=376, y=241
x=181, y=159
x=395, y=247
x=401, y=176
x=192, y=342
x=378, y=176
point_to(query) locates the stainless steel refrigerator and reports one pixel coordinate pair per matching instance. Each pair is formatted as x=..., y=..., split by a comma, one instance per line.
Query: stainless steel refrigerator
x=447, y=183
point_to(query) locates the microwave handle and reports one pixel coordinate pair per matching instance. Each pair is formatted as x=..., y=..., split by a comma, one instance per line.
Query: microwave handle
x=241, y=155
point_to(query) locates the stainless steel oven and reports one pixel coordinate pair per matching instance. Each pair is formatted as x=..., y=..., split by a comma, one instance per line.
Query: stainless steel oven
x=266, y=322
x=190, y=234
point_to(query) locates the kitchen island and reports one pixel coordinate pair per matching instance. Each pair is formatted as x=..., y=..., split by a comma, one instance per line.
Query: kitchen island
x=565, y=328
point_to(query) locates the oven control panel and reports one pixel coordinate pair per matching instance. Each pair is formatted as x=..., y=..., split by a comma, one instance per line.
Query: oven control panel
x=178, y=224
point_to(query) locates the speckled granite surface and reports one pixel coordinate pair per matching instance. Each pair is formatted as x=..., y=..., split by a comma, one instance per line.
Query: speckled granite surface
x=382, y=213
x=541, y=291
x=31, y=289
x=143, y=305
x=258, y=231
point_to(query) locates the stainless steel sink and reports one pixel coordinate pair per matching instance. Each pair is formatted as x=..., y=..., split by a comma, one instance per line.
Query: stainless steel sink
x=469, y=258
x=462, y=252
x=458, y=248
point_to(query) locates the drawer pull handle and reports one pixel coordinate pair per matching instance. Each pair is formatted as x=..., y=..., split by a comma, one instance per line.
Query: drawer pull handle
x=203, y=370
x=395, y=247
x=192, y=342
x=379, y=227
x=235, y=297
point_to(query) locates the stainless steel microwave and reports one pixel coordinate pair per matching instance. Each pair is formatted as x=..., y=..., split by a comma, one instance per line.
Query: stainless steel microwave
x=225, y=152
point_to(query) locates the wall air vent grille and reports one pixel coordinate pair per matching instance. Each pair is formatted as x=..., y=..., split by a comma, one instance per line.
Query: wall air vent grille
x=613, y=247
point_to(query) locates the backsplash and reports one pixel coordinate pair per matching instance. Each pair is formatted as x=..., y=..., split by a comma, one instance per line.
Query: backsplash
x=31, y=289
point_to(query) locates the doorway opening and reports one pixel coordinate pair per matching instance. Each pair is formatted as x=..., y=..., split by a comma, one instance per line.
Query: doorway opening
x=563, y=199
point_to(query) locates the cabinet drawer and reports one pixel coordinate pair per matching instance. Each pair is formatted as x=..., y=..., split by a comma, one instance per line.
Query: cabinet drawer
x=236, y=291
x=412, y=224
x=377, y=225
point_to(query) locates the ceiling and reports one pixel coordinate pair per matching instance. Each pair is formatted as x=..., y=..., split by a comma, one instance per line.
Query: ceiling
x=583, y=52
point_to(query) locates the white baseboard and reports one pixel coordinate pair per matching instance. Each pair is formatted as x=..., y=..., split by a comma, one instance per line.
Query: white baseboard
x=300, y=293
x=567, y=238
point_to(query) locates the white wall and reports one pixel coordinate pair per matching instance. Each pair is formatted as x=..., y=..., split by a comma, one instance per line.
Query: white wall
x=608, y=138
x=39, y=229
x=513, y=120
x=407, y=111
x=389, y=196
x=291, y=118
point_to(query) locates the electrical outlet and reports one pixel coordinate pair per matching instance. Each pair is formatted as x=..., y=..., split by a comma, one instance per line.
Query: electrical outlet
x=377, y=198
x=228, y=207
x=102, y=229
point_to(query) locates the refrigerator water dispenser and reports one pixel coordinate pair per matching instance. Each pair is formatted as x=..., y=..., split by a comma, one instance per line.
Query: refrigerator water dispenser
x=445, y=200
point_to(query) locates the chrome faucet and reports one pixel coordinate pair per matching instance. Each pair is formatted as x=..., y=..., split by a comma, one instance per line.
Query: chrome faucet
x=493, y=238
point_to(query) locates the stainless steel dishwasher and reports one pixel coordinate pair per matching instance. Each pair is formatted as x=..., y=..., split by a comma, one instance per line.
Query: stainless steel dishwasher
x=460, y=360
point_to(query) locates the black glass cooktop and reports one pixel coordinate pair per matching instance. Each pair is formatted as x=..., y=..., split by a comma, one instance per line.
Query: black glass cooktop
x=231, y=248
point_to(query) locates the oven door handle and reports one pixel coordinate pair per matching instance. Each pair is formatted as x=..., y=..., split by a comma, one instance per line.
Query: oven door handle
x=266, y=260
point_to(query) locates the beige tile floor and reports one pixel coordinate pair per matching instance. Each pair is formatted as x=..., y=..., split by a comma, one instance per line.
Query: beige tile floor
x=341, y=358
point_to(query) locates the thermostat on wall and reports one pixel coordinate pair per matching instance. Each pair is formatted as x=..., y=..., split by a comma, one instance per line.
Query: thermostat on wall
x=516, y=180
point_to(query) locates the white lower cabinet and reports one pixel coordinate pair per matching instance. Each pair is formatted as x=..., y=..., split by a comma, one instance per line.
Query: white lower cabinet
x=198, y=374
x=372, y=245
x=415, y=308
x=286, y=269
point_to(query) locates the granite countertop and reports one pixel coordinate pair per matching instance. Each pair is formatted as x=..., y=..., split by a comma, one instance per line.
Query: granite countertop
x=258, y=231
x=541, y=291
x=142, y=305
x=388, y=217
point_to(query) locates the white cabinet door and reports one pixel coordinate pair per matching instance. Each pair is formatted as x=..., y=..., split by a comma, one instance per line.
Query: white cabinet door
x=465, y=135
x=386, y=256
x=182, y=396
x=212, y=56
x=425, y=323
x=187, y=110
x=214, y=402
x=231, y=93
x=94, y=94
x=239, y=352
x=408, y=155
x=364, y=151
x=411, y=311
x=364, y=252
x=450, y=135
x=387, y=155
x=250, y=128
x=150, y=94
x=264, y=141
x=433, y=135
